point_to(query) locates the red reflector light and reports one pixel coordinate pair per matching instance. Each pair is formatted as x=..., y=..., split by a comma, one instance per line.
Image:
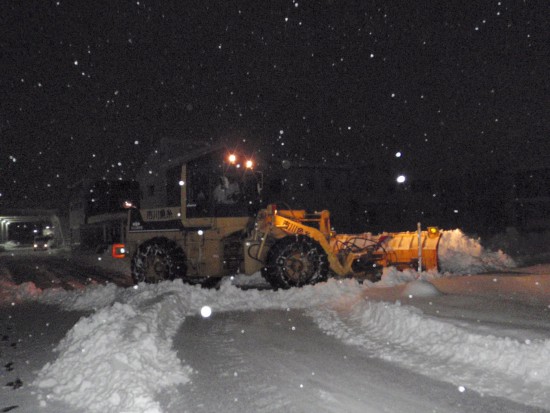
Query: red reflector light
x=118, y=251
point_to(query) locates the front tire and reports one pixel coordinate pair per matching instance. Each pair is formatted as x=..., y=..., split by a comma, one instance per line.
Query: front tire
x=295, y=261
x=158, y=259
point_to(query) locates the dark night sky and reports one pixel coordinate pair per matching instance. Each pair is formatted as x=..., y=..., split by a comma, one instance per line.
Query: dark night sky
x=88, y=87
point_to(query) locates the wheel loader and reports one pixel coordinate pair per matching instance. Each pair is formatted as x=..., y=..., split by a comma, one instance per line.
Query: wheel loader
x=220, y=228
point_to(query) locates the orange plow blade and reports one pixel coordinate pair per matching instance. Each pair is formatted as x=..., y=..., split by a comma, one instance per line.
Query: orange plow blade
x=364, y=253
x=402, y=249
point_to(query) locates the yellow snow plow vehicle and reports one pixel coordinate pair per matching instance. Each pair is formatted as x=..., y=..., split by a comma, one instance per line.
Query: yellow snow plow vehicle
x=216, y=227
x=298, y=248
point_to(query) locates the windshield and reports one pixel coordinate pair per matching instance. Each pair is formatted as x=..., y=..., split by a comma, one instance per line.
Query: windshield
x=214, y=189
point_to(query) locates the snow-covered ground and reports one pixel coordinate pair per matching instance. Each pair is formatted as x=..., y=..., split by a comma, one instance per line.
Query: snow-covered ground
x=448, y=341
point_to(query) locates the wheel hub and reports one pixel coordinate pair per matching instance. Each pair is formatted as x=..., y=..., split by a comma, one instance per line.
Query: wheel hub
x=157, y=269
x=298, y=268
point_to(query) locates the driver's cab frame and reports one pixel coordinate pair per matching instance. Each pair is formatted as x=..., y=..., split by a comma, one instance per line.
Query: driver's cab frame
x=219, y=184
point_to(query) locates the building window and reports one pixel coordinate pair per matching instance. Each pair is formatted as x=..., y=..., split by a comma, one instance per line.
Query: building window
x=173, y=188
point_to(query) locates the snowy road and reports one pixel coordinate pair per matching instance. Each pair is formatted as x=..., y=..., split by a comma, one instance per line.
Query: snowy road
x=477, y=343
x=277, y=360
x=56, y=269
x=251, y=361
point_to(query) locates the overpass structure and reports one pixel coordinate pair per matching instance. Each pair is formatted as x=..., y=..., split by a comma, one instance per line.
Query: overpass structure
x=15, y=216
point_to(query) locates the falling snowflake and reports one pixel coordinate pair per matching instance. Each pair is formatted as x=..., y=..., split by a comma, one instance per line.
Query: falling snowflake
x=206, y=311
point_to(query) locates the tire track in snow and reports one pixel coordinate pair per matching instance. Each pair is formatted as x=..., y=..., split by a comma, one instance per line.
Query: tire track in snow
x=222, y=358
x=484, y=363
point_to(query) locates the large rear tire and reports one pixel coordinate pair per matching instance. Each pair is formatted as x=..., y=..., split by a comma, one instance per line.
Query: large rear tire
x=295, y=261
x=158, y=259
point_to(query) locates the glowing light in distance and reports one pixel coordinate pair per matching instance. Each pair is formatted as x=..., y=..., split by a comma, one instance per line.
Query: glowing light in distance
x=249, y=164
x=232, y=158
x=401, y=179
x=398, y=154
x=200, y=232
x=181, y=183
x=206, y=311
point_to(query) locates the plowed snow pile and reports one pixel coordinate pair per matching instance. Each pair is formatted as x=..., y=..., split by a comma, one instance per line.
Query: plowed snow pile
x=460, y=254
x=121, y=357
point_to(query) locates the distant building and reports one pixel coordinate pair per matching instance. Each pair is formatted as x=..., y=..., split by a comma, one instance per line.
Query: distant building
x=359, y=199
x=481, y=203
x=96, y=212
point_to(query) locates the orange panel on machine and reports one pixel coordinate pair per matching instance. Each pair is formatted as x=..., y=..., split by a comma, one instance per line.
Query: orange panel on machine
x=402, y=249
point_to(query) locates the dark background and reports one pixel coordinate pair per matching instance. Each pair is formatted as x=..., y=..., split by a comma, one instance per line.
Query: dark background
x=88, y=88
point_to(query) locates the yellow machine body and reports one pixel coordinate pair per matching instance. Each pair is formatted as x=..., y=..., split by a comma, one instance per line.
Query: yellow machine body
x=358, y=255
x=214, y=227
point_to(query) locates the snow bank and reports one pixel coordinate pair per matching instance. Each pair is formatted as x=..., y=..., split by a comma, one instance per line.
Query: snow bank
x=120, y=357
x=11, y=292
x=9, y=245
x=484, y=363
x=460, y=254
x=420, y=288
x=14, y=293
x=90, y=298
